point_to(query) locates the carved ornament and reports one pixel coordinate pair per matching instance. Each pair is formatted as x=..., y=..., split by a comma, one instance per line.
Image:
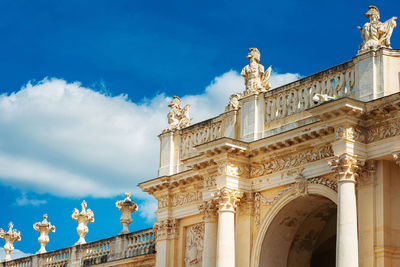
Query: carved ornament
x=227, y=199
x=350, y=133
x=346, y=167
x=383, y=131
x=178, y=118
x=209, y=210
x=294, y=160
x=396, y=157
x=234, y=169
x=44, y=228
x=166, y=229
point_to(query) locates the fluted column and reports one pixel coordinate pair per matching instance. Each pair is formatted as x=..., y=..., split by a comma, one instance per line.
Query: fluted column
x=209, y=256
x=346, y=167
x=227, y=200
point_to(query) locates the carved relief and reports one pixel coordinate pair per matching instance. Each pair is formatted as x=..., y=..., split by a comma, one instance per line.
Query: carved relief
x=383, y=131
x=182, y=199
x=346, y=167
x=234, y=169
x=291, y=161
x=209, y=210
x=209, y=181
x=367, y=173
x=166, y=229
x=350, y=133
x=199, y=136
x=194, y=245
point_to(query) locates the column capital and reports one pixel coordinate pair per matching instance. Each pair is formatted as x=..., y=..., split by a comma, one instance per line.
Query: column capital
x=227, y=199
x=209, y=210
x=346, y=167
x=166, y=229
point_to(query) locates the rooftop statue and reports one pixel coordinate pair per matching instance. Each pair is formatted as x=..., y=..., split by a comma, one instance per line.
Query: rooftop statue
x=255, y=79
x=375, y=33
x=178, y=118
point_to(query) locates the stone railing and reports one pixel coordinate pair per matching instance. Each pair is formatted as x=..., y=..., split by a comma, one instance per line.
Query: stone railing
x=193, y=136
x=298, y=96
x=102, y=251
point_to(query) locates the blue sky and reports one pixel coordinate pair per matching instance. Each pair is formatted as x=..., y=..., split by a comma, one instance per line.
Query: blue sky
x=85, y=84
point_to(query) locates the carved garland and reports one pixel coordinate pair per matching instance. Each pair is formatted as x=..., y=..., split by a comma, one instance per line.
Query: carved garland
x=300, y=185
x=291, y=161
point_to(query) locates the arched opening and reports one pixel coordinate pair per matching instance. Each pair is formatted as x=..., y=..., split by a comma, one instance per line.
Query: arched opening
x=302, y=234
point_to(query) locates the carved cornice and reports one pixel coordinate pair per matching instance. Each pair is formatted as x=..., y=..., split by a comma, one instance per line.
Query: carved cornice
x=227, y=199
x=291, y=161
x=346, y=167
x=166, y=229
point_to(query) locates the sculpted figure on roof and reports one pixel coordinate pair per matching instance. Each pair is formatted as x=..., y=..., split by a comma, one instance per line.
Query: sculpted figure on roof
x=178, y=118
x=375, y=33
x=255, y=79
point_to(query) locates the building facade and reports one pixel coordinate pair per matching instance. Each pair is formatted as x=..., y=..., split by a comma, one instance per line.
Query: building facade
x=306, y=174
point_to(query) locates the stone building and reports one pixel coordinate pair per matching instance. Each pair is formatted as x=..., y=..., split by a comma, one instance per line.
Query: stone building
x=306, y=174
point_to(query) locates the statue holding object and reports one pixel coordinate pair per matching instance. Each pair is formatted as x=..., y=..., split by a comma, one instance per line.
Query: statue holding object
x=375, y=33
x=255, y=79
x=178, y=118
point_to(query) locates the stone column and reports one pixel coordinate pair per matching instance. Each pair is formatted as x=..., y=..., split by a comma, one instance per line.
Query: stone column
x=346, y=167
x=166, y=232
x=227, y=200
x=210, y=233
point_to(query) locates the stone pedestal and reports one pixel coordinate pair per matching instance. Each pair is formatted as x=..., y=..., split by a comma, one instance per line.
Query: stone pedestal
x=252, y=115
x=377, y=73
x=169, y=153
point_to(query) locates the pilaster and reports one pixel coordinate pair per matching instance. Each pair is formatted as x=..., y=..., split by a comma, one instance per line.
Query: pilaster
x=166, y=232
x=209, y=210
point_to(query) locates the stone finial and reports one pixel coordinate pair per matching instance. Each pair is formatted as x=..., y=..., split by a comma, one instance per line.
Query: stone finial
x=9, y=237
x=177, y=118
x=374, y=33
x=255, y=79
x=44, y=228
x=127, y=207
x=82, y=218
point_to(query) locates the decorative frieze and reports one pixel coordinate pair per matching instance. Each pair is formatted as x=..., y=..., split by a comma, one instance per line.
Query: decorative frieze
x=234, y=169
x=194, y=245
x=182, y=199
x=198, y=136
x=166, y=229
x=350, y=133
x=381, y=132
x=209, y=181
x=346, y=167
x=291, y=161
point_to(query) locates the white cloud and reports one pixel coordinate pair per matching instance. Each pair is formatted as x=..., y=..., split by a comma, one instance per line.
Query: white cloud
x=24, y=200
x=68, y=140
x=16, y=254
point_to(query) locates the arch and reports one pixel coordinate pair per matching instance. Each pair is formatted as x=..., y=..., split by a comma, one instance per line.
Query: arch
x=286, y=198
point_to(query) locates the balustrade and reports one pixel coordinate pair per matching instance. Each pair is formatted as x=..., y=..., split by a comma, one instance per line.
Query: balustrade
x=298, y=96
